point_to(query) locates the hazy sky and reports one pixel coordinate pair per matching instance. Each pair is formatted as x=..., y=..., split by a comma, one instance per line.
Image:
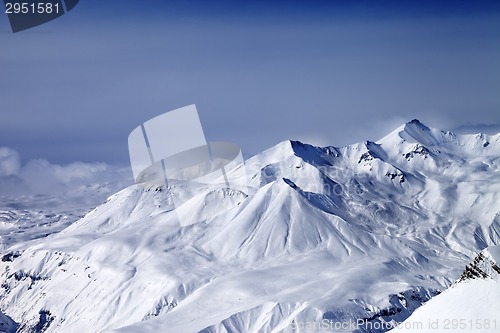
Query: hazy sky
x=325, y=72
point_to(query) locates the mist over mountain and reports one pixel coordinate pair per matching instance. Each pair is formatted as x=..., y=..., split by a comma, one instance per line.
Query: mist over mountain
x=354, y=238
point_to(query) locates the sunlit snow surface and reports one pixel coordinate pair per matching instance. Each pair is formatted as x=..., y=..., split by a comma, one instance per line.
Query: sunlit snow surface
x=471, y=305
x=363, y=232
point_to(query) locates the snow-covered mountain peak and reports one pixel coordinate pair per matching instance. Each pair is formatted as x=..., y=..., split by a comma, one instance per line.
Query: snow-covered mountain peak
x=416, y=132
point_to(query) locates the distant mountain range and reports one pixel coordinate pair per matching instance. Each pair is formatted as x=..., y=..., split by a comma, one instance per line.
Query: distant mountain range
x=324, y=239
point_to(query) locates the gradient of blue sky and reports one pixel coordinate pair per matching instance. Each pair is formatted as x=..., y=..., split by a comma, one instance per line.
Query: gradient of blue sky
x=325, y=72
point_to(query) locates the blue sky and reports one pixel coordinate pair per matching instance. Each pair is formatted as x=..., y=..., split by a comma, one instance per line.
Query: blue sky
x=324, y=72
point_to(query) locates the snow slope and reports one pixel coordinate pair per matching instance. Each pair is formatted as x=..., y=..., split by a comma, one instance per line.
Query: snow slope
x=364, y=233
x=471, y=305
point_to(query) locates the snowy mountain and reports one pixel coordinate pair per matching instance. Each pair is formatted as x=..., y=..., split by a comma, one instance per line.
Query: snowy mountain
x=326, y=239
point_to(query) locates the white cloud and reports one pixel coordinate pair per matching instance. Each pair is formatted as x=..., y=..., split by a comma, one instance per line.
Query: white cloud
x=10, y=162
x=42, y=177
